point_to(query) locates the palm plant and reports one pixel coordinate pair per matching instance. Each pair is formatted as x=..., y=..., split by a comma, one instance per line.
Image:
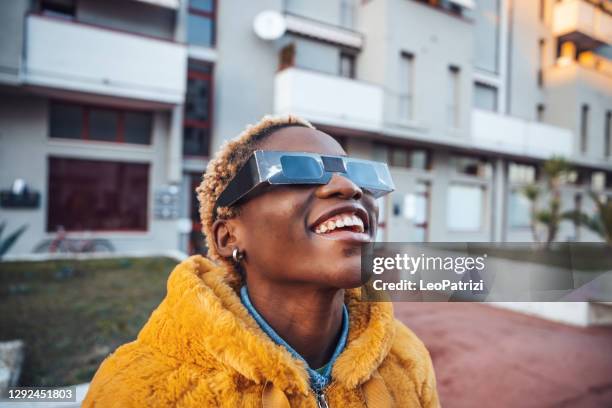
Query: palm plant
x=550, y=217
x=9, y=241
x=601, y=221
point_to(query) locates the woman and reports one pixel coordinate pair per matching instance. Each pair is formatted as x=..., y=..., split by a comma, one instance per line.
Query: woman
x=276, y=321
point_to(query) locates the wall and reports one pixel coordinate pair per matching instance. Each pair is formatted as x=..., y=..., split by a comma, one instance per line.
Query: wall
x=526, y=31
x=327, y=11
x=244, y=80
x=25, y=147
x=11, y=40
x=568, y=87
x=437, y=40
x=134, y=16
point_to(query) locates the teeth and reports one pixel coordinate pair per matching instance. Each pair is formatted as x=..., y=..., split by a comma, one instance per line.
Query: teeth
x=339, y=221
x=357, y=221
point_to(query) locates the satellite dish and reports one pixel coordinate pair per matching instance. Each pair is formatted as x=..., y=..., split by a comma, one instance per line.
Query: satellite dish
x=269, y=25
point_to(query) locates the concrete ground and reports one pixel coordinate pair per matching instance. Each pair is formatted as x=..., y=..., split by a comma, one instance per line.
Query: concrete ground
x=489, y=357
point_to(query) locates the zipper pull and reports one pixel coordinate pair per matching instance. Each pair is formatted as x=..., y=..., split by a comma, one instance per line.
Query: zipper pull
x=321, y=401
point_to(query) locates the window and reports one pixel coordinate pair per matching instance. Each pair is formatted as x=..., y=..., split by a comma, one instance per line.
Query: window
x=198, y=109
x=598, y=181
x=103, y=124
x=406, y=86
x=72, y=121
x=450, y=6
x=414, y=158
x=347, y=13
x=201, y=22
x=286, y=57
x=519, y=209
x=608, y=134
x=420, y=221
x=66, y=121
x=485, y=97
x=93, y=195
x=541, y=61
x=347, y=65
x=138, y=127
x=540, y=111
x=452, y=114
x=472, y=166
x=584, y=127
x=575, y=177
x=465, y=207
x=486, y=35
x=521, y=173
x=59, y=8
x=197, y=240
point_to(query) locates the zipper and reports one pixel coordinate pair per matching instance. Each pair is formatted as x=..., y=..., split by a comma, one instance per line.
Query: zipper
x=321, y=400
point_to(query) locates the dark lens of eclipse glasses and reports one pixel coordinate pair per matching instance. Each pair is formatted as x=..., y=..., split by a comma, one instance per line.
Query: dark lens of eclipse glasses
x=301, y=167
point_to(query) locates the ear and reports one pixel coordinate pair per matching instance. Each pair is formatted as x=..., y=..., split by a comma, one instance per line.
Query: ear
x=224, y=233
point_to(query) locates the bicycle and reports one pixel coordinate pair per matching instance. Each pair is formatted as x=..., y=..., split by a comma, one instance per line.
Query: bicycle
x=62, y=244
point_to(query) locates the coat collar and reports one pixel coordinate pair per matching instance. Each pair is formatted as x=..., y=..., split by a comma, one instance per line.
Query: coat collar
x=202, y=317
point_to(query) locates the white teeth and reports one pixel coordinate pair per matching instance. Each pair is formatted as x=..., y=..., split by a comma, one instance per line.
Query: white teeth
x=357, y=221
x=339, y=221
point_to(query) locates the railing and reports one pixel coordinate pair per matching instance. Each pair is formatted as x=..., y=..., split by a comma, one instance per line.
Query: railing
x=328, y=99
x=584, y=17
x=84, y=58
x=512, y=135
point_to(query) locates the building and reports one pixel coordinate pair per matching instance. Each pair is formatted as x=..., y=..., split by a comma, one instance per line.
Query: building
x=110, y=110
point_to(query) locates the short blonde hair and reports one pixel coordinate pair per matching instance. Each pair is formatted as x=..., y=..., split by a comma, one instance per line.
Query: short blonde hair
x=223, y=167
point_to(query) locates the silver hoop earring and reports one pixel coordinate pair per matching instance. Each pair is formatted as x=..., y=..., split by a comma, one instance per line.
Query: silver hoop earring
x=237, y=255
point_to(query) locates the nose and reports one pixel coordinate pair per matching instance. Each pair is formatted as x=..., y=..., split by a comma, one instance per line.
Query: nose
x=341, y=187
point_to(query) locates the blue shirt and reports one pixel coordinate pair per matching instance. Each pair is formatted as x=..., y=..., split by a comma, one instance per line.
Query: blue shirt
x=318, y=380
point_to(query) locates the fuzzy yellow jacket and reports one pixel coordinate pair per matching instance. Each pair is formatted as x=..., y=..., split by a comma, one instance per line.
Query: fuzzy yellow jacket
x=201, y=348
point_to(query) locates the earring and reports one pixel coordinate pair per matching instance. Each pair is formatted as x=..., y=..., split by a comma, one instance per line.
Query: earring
x=237, y=255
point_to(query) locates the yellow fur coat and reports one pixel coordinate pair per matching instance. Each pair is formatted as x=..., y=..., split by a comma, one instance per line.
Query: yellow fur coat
x=201, y=348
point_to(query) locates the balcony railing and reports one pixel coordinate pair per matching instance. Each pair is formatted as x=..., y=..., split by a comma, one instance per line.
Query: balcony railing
x=328, y=99
x=79, y=57
x=580, y=16
x=510, y=135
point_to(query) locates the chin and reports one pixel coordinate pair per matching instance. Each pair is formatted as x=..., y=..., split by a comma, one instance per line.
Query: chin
x=349, y=274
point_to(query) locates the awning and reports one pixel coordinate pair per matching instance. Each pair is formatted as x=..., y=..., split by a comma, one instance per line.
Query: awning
x=468, y=4
x=172, y=4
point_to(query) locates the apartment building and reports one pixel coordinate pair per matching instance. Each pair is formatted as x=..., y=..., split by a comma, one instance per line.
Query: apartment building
x=109, y=111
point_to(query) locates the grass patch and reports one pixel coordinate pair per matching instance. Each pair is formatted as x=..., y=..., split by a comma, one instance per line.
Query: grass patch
x=72, y=314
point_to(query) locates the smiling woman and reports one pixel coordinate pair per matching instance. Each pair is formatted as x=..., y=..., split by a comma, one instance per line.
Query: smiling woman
x=274, y=317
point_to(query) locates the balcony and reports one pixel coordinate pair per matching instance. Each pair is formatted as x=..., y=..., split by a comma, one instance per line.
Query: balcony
x=78, y=57
x=580, y=18
x=328, y=99
x=510, y=135
x=589, y=73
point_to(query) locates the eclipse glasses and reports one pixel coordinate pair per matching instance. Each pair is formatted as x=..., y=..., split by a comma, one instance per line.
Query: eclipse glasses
x=268, y=167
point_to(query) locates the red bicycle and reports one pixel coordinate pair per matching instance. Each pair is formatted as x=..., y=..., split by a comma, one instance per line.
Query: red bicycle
x=62, y=244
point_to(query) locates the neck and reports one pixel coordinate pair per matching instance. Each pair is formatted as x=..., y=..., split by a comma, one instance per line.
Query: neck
x=308, y=318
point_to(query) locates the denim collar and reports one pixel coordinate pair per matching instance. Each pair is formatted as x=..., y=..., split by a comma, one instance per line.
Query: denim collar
x=318, y=381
